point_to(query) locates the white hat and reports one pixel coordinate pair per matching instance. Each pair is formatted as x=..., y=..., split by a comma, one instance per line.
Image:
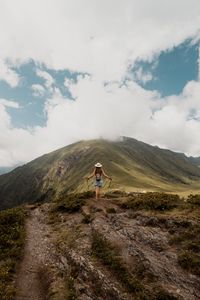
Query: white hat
x=98, y=165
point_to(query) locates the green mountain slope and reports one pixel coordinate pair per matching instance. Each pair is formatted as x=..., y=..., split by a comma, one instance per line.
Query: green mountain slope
x=195, y=160
x=4, y=170
x=132, y=164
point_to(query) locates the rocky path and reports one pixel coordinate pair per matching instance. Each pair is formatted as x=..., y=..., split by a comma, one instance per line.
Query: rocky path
x=137, y=240
x=37, y=255
x=151, y=245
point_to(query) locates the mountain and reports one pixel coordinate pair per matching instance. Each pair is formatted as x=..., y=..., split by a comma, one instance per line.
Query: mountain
x=132, y=164
x=4, y=170
x=195, y=160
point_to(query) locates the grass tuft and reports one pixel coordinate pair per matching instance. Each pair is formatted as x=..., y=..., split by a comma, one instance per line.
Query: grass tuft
x=152, y=201
x=71, y=203
x=108, y=254
x=115, y=194
x=194, y=200
x=71, y=291
x=111, y=210
x=12, y=237
x=188, y=242
x=87, y=219
x=110, y=257
x=190, y=261
x=163, y=295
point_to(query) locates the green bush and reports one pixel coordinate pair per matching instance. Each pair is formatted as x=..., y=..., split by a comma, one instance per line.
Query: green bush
x=86, y=195
x=152, y=201
x=115, y=194
x=71, y=202
x=194, y=200
x=190, y=261
x=12, y=237
x=87, y=219
x=111, y=210
x=188, y=242
x=163, y=295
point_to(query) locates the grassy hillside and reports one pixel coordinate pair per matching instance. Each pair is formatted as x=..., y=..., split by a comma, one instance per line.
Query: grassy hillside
x=132, y=164
x=195, y=160
x=4, y=170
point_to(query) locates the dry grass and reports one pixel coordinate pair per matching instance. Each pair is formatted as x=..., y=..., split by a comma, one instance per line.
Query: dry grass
x=108, y=254
x=152, y=201
x=12, y=238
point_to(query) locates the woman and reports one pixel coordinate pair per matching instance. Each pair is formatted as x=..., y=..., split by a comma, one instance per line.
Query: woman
x=98, y=173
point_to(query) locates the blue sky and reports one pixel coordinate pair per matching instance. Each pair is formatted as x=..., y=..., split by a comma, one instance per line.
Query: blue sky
x=170, y=72
x=31, y=106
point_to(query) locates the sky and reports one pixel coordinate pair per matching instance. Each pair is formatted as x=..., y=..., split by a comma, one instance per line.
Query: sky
x=73, y=70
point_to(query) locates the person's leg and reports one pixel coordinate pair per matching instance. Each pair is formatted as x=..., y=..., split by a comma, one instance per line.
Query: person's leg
x=97, y=192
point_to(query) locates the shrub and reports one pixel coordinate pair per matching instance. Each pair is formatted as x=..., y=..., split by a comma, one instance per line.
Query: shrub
x=87, y=219
x=115, y=194
x=111, y=210
x=12, y=237
x=153, y=201
x=163, y=295
x=86, y=195
x=194, y=200
x=188, y=242
x=71, y=202
x=190, y=261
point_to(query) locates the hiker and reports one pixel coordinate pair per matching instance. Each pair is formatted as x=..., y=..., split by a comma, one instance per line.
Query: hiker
x=98, y=172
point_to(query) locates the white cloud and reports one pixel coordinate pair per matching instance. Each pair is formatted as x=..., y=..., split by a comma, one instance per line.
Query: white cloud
x=9, y=103
x=38, y=90
x=8, y=75
x=108, y=111
x=199, y=65
x=141, y=76
x=46, y=76
x=100, y=38
x=68, y=82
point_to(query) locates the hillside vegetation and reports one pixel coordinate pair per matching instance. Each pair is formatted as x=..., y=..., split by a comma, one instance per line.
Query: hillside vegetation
x=195, y=160
x=12, y=239
x=123, y=247
x=133, y=165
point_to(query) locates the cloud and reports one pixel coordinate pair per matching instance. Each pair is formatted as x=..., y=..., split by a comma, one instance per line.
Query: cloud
x=102, y=39
x=176, y=124
x=141, y=76
x=110, y=111
x=68, y=82
x=92, y=37
x=38, y=90
x=9, y=103
x=199, y=65
x=8, y=75
x=46, y=76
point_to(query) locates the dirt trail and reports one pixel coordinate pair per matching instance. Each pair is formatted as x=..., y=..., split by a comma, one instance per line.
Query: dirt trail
x=36, y=255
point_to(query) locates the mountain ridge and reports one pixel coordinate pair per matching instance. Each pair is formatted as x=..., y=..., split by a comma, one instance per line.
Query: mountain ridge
x=132, y=164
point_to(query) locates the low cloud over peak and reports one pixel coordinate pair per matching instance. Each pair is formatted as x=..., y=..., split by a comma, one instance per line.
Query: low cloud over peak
x=83, y=53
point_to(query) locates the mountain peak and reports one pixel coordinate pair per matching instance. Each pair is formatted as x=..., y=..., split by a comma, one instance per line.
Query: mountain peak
x=133, y=165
